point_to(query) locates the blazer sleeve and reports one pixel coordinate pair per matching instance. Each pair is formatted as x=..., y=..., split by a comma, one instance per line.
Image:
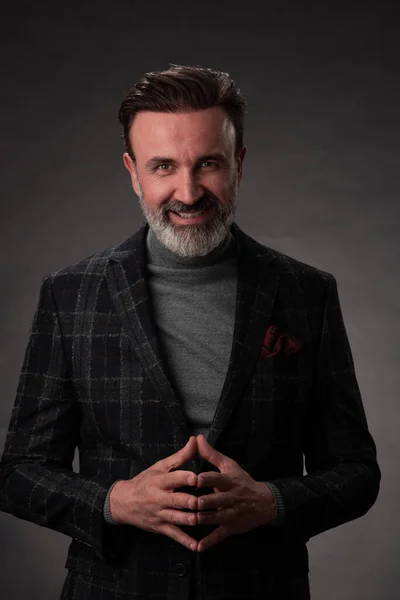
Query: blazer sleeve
x=343, y=476
x=37, y=481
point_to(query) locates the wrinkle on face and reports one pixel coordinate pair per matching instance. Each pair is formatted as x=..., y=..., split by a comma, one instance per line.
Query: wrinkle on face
x=173, y=167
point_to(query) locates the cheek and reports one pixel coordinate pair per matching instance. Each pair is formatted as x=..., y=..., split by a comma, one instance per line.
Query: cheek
x=156, y=192
x=222, y=186
x=228, y=192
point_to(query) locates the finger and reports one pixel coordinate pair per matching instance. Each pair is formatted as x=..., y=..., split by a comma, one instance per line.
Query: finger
x=178, y=517
x=213, y=538
x=212, y=455
x=217, y=500
x=211, y=479
x=178, y=458
x=179, y=536
x=177, y=479
x=220, y=517
x=179, y=500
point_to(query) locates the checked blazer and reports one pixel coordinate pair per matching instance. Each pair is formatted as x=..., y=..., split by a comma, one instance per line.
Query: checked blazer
x=94, y=381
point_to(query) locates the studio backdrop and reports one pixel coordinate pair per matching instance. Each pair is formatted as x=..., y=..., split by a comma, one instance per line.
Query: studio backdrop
x=320, y=183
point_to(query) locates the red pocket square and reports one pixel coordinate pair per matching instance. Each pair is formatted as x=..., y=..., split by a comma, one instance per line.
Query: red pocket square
x=276, y=342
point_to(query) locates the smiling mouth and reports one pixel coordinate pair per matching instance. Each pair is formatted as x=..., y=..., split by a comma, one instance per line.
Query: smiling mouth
x=191, y=214
x=193, y=218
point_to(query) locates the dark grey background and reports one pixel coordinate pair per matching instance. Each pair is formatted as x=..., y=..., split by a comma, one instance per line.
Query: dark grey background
x=321, y=183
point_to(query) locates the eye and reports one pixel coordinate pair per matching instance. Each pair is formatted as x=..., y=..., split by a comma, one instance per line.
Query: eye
x=158, y=167
x=210, y=163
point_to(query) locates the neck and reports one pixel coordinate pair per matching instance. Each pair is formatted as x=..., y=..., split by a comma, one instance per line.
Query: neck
x=159, y=254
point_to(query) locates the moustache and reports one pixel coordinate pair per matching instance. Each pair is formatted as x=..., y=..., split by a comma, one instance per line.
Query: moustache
x=202, y=204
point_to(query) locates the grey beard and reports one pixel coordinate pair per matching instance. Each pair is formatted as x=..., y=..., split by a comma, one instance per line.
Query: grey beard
x=188, y=241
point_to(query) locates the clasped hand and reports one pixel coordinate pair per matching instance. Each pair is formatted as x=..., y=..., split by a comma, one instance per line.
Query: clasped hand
x=240, y=503
x=150, y=500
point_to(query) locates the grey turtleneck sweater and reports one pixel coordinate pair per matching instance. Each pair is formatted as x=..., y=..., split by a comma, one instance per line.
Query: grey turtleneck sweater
x=194, y=302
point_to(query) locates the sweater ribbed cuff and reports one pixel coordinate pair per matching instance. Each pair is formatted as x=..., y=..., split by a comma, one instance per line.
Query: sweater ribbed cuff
x=106, y=507
x=279, y=506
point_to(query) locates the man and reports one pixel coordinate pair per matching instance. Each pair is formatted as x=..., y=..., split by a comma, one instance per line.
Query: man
x=194, y=369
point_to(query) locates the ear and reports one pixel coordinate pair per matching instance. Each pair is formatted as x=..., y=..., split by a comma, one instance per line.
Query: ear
x=131, y=166
x=240, y=160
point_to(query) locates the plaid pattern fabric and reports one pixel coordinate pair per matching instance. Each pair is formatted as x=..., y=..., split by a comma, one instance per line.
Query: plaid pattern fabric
x=94, y=378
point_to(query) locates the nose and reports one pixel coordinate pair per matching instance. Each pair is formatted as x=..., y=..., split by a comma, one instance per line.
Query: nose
x=187, y=188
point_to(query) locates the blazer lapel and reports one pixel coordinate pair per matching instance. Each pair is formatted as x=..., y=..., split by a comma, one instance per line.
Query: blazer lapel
x=258, y=278
x=127, y=283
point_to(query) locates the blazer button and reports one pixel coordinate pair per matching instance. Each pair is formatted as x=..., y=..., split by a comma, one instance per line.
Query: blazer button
x=181, y=569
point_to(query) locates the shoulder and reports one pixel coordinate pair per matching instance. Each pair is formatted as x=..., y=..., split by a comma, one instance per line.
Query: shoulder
x=283, y=263
x=312, y=284
x=96, y=263
x=299, y=280
x=89, y=266
x=85, y=273
x=301, y=270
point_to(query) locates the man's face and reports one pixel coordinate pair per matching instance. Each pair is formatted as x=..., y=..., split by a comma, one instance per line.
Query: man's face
x=185, y=163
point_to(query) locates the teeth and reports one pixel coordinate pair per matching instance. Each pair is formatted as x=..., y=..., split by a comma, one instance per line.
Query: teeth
x=186, y=216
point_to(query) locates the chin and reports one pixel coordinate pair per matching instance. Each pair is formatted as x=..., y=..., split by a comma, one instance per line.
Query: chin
x=189, y=241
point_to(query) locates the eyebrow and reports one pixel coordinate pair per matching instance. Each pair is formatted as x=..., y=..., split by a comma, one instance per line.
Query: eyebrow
x=157, y=160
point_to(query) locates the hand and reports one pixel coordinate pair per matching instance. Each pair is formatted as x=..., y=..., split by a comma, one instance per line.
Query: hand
x=241, y=503
x=148, y=500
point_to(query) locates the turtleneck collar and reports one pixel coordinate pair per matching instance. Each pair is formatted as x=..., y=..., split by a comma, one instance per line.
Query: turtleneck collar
x=160, y=255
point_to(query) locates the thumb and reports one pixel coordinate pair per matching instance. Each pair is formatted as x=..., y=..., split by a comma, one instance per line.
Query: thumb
x=180, y=457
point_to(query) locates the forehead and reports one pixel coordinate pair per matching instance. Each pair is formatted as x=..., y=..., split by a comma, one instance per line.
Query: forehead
x=205, y=130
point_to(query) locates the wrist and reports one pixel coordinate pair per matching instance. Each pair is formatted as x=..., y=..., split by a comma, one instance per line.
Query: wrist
x=267, y=506
x=278, y=504
x=109, y=510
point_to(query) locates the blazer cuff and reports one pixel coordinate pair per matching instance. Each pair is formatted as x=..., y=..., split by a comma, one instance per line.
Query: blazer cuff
x=106, y=508
x=279, y=505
